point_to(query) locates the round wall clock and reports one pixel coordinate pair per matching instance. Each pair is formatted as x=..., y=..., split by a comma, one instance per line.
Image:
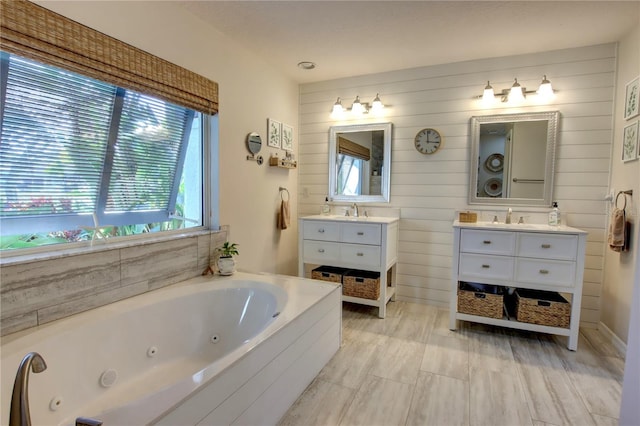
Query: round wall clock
x=427, y=141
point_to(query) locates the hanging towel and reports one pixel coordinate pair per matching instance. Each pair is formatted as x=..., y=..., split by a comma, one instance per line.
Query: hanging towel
x=617, y=229
x=283, y=215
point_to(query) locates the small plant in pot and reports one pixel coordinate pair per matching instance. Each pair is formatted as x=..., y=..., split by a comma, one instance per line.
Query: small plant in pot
x=226, y=262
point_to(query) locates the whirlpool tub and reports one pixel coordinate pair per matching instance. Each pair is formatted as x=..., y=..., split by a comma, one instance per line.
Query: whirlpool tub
x=208, y=351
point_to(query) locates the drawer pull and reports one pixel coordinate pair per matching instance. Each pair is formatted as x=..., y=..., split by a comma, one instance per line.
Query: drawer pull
x=360, y=254
x=320, y=250
x=321, y=230
x=486, y=242
x=360, y=233
x=546, y=246
x=486, y=266
x=543, y=303
x=544, y=271
x=479, y=295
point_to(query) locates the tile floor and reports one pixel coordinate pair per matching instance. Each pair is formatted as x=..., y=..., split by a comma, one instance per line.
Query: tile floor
x=410, y=369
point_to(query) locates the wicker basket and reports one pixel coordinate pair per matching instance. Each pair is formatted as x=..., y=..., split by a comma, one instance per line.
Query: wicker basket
x=363, y=284
x=328, y=273
x=480, y=299
x=543, y=308
x=468, y=217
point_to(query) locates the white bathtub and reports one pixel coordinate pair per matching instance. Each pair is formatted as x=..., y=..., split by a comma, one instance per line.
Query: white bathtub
x=218, y=350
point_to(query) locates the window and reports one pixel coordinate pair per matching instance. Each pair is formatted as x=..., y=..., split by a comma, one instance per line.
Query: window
x=82, y=159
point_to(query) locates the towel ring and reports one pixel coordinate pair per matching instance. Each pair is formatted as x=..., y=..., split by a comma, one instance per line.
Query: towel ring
x=624, y=196
x=282, y=191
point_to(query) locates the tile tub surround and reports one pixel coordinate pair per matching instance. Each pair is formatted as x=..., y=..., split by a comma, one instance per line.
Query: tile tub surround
x=57, y=285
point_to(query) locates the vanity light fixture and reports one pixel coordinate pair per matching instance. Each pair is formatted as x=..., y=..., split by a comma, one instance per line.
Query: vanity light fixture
x=358, y=108
x=516, y=93
x=338, y=110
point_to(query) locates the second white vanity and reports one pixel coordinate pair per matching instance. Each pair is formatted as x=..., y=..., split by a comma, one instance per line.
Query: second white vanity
x=526, y=256
x=362, y=243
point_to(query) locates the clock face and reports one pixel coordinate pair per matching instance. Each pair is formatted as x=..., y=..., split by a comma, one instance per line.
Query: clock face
x=427, y=141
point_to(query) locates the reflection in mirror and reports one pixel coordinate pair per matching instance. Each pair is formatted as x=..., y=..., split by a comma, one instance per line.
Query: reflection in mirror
x=513, y=158
x=359, y=162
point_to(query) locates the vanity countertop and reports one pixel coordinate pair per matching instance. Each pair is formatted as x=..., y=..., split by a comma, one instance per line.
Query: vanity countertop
x=351, y=219
x=529, y=227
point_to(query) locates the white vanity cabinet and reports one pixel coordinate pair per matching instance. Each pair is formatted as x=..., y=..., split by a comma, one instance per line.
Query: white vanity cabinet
x=369, y=244
x=539, y=257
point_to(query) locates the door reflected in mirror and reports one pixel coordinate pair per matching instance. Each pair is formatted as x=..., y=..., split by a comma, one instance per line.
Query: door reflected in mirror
x=359, y=162
x=513, y=159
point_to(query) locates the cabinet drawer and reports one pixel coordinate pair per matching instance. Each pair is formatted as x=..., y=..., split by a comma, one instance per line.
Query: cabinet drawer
x=545, y=246
x=363, y=255
x=546, y=272
x=481, y=267
x=322, y=231
x=321, y=252
x=487, y=242
x=359, y=233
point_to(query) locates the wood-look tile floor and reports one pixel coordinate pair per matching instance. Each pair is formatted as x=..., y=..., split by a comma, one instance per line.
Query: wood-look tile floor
x=410, y=369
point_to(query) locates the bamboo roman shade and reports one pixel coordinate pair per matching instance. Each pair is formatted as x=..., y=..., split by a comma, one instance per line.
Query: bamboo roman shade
x=34, y=32
x=347, y=147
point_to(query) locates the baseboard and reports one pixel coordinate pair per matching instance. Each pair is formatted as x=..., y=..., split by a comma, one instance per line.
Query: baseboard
x=612, y=338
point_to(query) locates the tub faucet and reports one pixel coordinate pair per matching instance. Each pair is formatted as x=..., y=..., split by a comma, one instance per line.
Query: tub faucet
x=508, y=218
x=19, y=414
x=355, y=210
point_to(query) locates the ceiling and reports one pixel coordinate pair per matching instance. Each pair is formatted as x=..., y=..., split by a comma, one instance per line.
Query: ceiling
x=348, y=38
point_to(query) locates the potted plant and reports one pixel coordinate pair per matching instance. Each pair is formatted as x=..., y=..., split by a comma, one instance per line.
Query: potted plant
x=226, y=262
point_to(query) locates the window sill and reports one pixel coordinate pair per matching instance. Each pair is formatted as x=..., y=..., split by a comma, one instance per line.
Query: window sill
x=13, y=258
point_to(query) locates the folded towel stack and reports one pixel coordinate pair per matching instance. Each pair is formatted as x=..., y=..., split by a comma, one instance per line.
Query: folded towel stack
x=618, y=231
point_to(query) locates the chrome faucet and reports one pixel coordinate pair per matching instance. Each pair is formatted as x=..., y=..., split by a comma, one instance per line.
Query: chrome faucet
x=355, y=210
x=508, y=218
x=19, y=414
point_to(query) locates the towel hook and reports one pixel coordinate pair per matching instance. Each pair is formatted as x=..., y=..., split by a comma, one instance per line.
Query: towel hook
x=283, y=189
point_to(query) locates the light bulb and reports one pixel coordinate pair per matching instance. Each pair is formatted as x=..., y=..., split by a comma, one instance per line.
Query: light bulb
x=515, y=94
x=488, y=97
x=545, y=91
x=376, y=105
x=357, y=108
x=337, y=111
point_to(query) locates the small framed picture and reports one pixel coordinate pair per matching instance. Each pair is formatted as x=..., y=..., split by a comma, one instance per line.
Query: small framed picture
x=287, y=137
x=632, y=99
x=630, y=142
x=274, y=133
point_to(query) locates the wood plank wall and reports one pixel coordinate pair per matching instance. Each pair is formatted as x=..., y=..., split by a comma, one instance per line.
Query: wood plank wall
x=429, y=189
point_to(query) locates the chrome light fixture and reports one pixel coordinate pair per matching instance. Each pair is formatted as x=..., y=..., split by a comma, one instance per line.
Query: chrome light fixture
x=516, y=93
x=358, y=108
x=338, y=110
x=488, y=97
x=545, y=90
x=377, y=105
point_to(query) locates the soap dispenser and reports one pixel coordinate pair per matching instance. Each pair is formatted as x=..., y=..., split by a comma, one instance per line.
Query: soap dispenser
x=554, y=215
x=326, y=208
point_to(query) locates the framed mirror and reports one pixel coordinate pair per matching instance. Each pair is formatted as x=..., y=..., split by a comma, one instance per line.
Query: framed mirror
x=360, y=162
x=513, y=159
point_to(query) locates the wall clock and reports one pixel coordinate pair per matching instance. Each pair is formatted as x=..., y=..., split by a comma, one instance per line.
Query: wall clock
x=427, y=141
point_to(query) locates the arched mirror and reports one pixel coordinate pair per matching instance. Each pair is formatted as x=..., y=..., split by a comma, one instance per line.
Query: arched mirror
x=360, y=162
x=513, y=159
